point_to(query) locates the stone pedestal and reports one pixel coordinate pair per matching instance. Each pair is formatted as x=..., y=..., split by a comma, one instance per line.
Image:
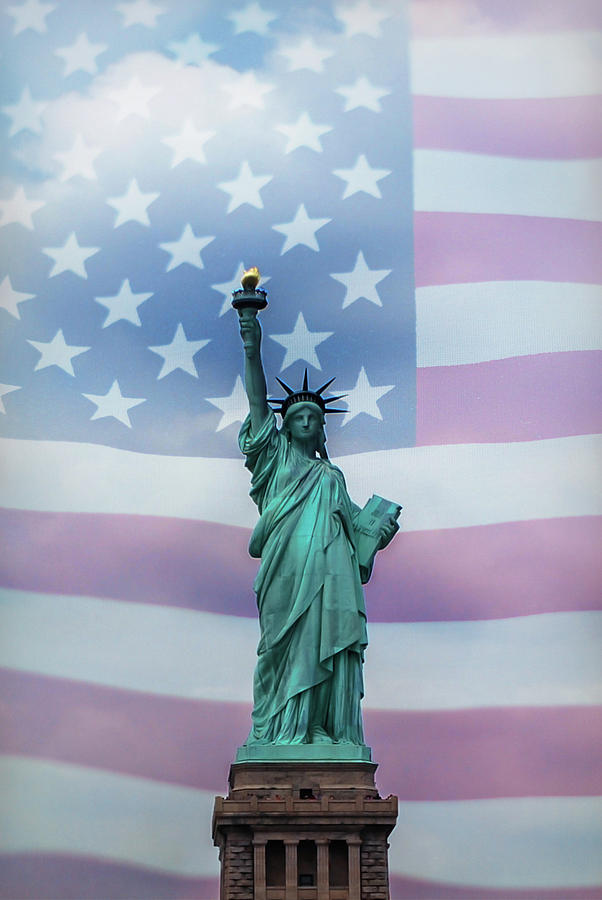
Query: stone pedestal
x=303, y=830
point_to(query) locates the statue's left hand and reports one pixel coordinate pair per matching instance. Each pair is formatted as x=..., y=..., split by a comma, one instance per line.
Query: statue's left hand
x=389, y=530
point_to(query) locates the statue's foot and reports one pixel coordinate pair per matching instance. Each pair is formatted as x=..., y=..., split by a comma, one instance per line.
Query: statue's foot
x=318, y=735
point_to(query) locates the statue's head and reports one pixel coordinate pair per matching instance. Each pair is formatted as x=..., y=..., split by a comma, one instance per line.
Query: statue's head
x=304, y=421
x=303, y=412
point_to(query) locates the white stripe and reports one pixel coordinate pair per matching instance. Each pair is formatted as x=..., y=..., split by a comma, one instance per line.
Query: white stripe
x=57, y=808
x=509, y=843
x=544, y=660
x=447, y=181
x=471, y=323
x=514, y=66
x=523, y=842
x=439, y=486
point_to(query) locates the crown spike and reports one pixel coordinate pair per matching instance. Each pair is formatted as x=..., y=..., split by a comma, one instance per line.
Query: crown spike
x=288, y=390
x=324, y=386
x=332, y=399
x=305, y=387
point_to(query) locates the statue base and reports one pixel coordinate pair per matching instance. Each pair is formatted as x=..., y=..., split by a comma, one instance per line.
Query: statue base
x=303, y=753
x=309, y=829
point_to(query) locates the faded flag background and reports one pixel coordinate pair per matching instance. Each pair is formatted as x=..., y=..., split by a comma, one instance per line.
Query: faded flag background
x=420, y=186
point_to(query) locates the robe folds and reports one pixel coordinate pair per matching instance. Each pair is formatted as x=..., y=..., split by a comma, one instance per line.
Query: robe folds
x=308, y=679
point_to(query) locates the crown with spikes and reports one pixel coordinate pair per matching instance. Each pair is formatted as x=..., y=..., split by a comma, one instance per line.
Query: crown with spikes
x=305, y=395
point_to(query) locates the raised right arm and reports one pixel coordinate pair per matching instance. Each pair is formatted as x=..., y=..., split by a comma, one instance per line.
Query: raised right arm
x=255, y=384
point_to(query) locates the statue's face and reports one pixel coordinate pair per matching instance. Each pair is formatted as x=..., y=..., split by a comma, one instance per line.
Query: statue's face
x=304, y=422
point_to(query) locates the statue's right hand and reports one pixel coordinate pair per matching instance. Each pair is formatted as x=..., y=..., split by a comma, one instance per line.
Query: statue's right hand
x=250, y=332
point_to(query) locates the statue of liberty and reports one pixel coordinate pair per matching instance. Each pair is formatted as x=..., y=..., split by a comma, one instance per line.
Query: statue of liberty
x=308, y=680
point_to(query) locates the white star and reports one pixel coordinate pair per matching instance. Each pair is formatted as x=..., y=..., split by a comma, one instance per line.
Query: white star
x=363, y=18
x=78, y=160
x=186, y=249
x=189, y=143
x=56, y=353
x=361, y=282
x=26, y=114
x=362, y=93
x=70, y=257
x=123, y=305
x=303, y=133
x=251, y=18
x=18, y=209
x=81, y=55
x=193, y=51
x=31, y=14
x=133, y=99
x=234, y=407
x=301, y=343
x=247, y=90
x=364, y=397
x=10, y=298
x=362, y=177
x=179, y=353
x=302, y=230
x=140, y=12
x=113, y=404
x=245, y=188
x=132, y=206
x=7, y=389
x=306, y=55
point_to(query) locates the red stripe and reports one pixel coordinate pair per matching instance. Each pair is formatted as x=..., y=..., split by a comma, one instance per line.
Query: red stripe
x=524, y=398
x=559, y=128
x=449, y=574
x=446, y=755
x=36, y=876
x=431, y=18
x=452, y=248
x=416, y=889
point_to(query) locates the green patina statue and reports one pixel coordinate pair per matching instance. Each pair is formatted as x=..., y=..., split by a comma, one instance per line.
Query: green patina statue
x=308, y=681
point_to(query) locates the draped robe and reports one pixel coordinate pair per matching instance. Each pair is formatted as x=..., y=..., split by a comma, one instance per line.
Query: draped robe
x=308, y=680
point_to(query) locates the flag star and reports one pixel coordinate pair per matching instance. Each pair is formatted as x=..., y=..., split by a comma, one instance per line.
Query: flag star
x=140, y=12
x=306, y=55
x=364, y=397
x=234, y=407
x=123, y=305
x=193, y=51
x=245, y=188
x=303, y=133
x=18, y=209
x=179, y=353
x=226, y=287
x=252, y=17
x=70, y=257
x=31, y=14
x=7, y=389
x=10, y=298
x=361, y=282
x=362, y=93
x=81, y=55
x=186, y=249
x=114, y=404
x=132, y=206
x=362, y=177
x=301, y=343
x=133, y=99
x=78, y=160
x=25, y=114
x=302, y=230
x=362, y=18
x=247, y=90
x=56, y=353
x=189, y=144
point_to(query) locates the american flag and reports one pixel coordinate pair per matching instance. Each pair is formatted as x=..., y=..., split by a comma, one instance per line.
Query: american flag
x=419, y=185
